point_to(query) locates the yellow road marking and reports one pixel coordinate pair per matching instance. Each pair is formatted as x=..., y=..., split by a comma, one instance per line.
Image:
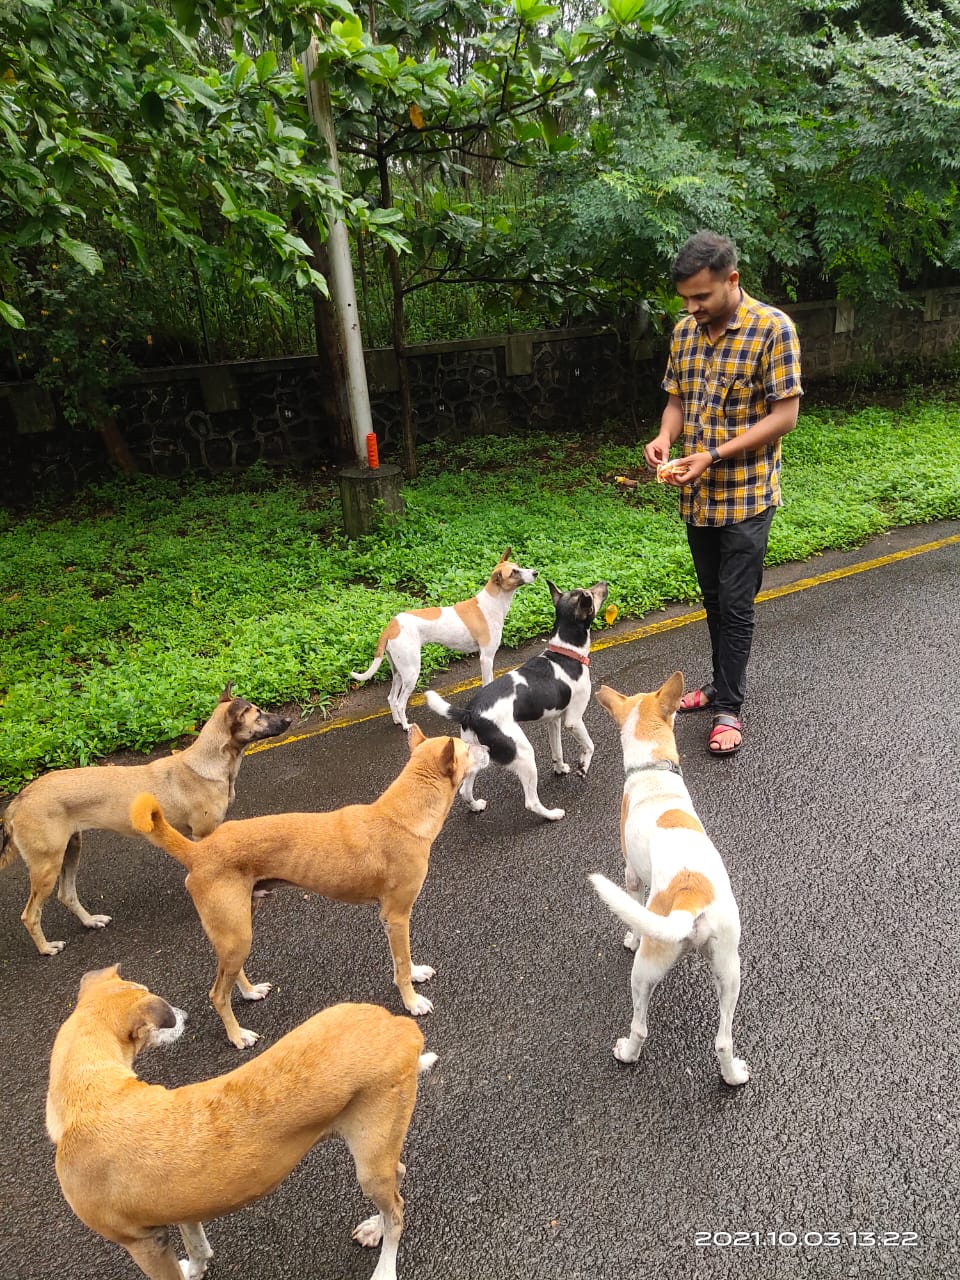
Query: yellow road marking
x=641, y=633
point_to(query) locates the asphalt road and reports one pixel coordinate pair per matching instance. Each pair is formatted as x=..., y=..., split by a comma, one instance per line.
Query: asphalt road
x=532, y=1151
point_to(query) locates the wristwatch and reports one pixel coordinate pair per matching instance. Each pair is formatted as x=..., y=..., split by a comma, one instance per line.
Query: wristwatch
x=714, y=454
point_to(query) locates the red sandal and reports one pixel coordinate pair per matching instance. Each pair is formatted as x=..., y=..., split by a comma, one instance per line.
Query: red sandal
x=723, y=724
x=699, y=699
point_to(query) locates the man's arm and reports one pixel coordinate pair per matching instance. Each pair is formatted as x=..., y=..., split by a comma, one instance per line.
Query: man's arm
x=671, y=428
x=781, y=418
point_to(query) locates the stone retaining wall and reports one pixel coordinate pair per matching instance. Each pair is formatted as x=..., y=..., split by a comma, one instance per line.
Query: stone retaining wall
x=215, y=418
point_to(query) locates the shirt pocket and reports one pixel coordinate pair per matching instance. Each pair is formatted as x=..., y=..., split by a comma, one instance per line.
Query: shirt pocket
x=741, y=400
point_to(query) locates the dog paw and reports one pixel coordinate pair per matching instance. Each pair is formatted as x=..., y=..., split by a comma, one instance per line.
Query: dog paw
x=419, y=1006
x=736, y=1073
x=553, y=815
x=560, y=768
x=370, y=1232
x=622, y=1051
x=247, y=1039
x=52, y=948
x=257, y=991
x=97, y=922
x=583, y=768
x=193, y=1270
x=631, y=941
x=421, y=973
x=477, y=806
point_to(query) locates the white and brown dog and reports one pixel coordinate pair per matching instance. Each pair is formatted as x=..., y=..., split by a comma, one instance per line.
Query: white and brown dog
x=196, y=786
x=690, y=903
x=361, y=853
x=135, y=1159
x=553, y=687
x=472, y=625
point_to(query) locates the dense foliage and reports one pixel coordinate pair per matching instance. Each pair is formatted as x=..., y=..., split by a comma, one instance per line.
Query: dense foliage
x=177, y=587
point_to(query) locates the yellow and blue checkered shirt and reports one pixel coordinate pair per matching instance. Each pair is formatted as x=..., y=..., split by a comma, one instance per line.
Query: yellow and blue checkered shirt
x=725, y=387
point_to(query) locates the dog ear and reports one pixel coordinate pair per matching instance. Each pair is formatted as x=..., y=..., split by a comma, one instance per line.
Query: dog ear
x=93, y=976
x=506, y=555
x=146, y=1016
x=415, y=736
x=448, y=758
x=555, y=594
x=227, y=695
x=670, y=693
x=612, y=702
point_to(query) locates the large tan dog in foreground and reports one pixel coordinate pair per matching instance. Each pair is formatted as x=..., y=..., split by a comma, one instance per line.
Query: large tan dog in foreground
x=134, y=1159
x=362, y=853
x=690, y=903
x=195, y=786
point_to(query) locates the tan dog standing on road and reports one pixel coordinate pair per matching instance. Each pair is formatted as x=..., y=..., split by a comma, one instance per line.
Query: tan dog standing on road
x=195, y=786
x=362, y=853
x=134, y=1159
x=690, y=902
x=472, y=625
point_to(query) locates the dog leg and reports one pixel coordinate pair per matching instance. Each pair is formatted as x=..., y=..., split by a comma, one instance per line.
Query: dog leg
x=579, y=731
x=725, y=960
x=395, y=918
x=226, y=916
x=198, y=1250
x=525, y=767
x=43, y=879
x=68, y=887
x=375, y=1142
x=633, y=886
x=486, y=666
x=556, y=746
x=405, y=661
x=466, y=790
x=648, y=969
x=157, y=1258
x=252, y=991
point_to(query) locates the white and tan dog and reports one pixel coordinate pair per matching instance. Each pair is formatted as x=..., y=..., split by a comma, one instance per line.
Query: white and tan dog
x=135, y=1159
x=196, y=786
x=472, y=625
x=376, y=852
x=690, y=903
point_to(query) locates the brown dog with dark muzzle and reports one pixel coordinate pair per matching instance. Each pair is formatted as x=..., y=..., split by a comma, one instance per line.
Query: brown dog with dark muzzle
x=362, y=853
x=135, y=1159
x=45, y=821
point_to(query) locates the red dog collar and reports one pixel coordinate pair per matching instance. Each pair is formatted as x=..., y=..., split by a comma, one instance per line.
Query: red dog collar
x=568, y=653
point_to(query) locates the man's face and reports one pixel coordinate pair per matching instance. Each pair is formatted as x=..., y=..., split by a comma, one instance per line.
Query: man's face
x=709, y=298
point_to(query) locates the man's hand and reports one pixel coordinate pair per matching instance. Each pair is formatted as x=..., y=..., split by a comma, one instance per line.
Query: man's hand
x=657, y=451
x=684, y=471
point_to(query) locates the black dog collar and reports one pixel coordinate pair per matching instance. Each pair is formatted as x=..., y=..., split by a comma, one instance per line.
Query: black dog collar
x=666, y=766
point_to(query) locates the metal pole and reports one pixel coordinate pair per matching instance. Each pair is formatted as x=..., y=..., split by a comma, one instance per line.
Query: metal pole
x=341, y=269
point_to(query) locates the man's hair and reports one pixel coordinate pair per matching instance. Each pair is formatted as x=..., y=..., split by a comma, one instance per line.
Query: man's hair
x=705, y=249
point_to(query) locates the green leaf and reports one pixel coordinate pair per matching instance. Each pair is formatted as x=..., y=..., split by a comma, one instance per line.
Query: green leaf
x=11, y=316
x=152, y=109
x=82, y=253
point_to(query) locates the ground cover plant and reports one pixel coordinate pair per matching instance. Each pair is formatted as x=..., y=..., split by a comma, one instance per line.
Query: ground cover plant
x=123, y=615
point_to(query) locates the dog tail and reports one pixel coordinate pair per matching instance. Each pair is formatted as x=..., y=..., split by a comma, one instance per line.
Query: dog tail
x=146, y=816
x=377, y=656
x=426, y=1063
x=443, y=708
x=678, y=926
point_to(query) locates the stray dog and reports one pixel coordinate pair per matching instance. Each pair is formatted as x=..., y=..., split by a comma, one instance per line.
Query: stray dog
x=196, y=786
x=362, y=853
x=134, y=1159
x=690, y=902
x=466, y=627
x=555, y=687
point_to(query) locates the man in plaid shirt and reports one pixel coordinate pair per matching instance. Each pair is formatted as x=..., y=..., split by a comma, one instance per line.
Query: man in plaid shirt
x=733, y=388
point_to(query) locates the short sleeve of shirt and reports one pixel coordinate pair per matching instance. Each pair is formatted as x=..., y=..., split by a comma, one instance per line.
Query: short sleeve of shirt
x=781, y=361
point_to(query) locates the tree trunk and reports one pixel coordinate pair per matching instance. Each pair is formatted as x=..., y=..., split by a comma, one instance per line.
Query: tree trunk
x=333, y=381
x=116, y=446
x=399, y=333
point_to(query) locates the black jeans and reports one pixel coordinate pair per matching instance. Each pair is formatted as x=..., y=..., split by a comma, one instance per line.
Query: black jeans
x=729, y=564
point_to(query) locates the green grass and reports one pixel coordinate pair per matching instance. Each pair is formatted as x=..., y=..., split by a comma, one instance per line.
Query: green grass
x=122, y=616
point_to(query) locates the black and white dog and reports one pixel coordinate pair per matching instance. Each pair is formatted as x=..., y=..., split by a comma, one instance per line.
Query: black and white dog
x=554, y=686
